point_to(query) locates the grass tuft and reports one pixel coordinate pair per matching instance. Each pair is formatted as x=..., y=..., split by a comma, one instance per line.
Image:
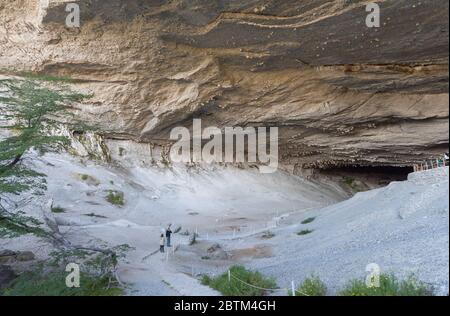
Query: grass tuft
x=308, y=220
x=389, y=286
x=54, y=284
x=304, y=232
x=311, y=286
x=235, y=287
x=90, y=180
x=58, y=209
x=116, y=197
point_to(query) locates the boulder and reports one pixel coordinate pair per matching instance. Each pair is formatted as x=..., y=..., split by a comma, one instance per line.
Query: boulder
x=25, y=256
x=7, y=256
x=7, y=253
x=7, y=275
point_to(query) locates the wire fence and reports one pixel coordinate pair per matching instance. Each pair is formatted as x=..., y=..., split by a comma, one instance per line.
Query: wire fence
x=293, y=290
x=432, y=164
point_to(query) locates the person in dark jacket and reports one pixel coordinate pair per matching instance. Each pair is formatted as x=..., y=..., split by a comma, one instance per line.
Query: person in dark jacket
x=168, y=235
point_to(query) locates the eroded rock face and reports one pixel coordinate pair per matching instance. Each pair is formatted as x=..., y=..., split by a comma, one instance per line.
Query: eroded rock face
x=340, y=92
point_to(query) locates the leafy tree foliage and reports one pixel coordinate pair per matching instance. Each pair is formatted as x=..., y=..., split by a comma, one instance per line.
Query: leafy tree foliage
x=29, y=111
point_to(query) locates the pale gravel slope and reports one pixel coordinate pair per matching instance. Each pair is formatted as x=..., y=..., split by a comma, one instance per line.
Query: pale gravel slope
x=404, y=228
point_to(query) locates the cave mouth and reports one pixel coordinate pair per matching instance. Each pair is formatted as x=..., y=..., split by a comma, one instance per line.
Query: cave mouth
x=374, y=175
x=399, y=172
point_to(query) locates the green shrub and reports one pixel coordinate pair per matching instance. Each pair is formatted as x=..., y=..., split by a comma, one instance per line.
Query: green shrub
x=355, y=185
x=54, y=284
x=115, y=198
x=304, y=232
x=349, y=181
x=206, y=280
x=235, y=287
x=58, y=209
x=311, y=286
x=308, y=220
x=389, y=286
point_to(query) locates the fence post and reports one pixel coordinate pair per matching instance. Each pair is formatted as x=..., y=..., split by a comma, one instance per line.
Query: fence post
x=229, y=275
x=293, y=288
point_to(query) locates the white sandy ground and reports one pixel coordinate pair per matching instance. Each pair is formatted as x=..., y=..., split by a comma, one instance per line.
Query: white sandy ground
x=404, y=228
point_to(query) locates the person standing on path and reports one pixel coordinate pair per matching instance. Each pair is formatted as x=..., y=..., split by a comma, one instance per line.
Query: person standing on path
x=168, y=235
x=161, y=243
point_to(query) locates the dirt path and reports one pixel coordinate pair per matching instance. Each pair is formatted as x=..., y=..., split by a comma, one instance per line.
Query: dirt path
x=156, y=276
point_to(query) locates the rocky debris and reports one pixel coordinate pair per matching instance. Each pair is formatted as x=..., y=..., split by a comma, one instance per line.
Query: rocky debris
x=341, y=93
x=267, y=235
x=214, y=248
x=215, y=252
x=7, y=275
x=9, y=256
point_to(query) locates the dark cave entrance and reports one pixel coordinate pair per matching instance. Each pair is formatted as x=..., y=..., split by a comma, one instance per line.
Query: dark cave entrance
x=388, y=172
x=362, y=178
